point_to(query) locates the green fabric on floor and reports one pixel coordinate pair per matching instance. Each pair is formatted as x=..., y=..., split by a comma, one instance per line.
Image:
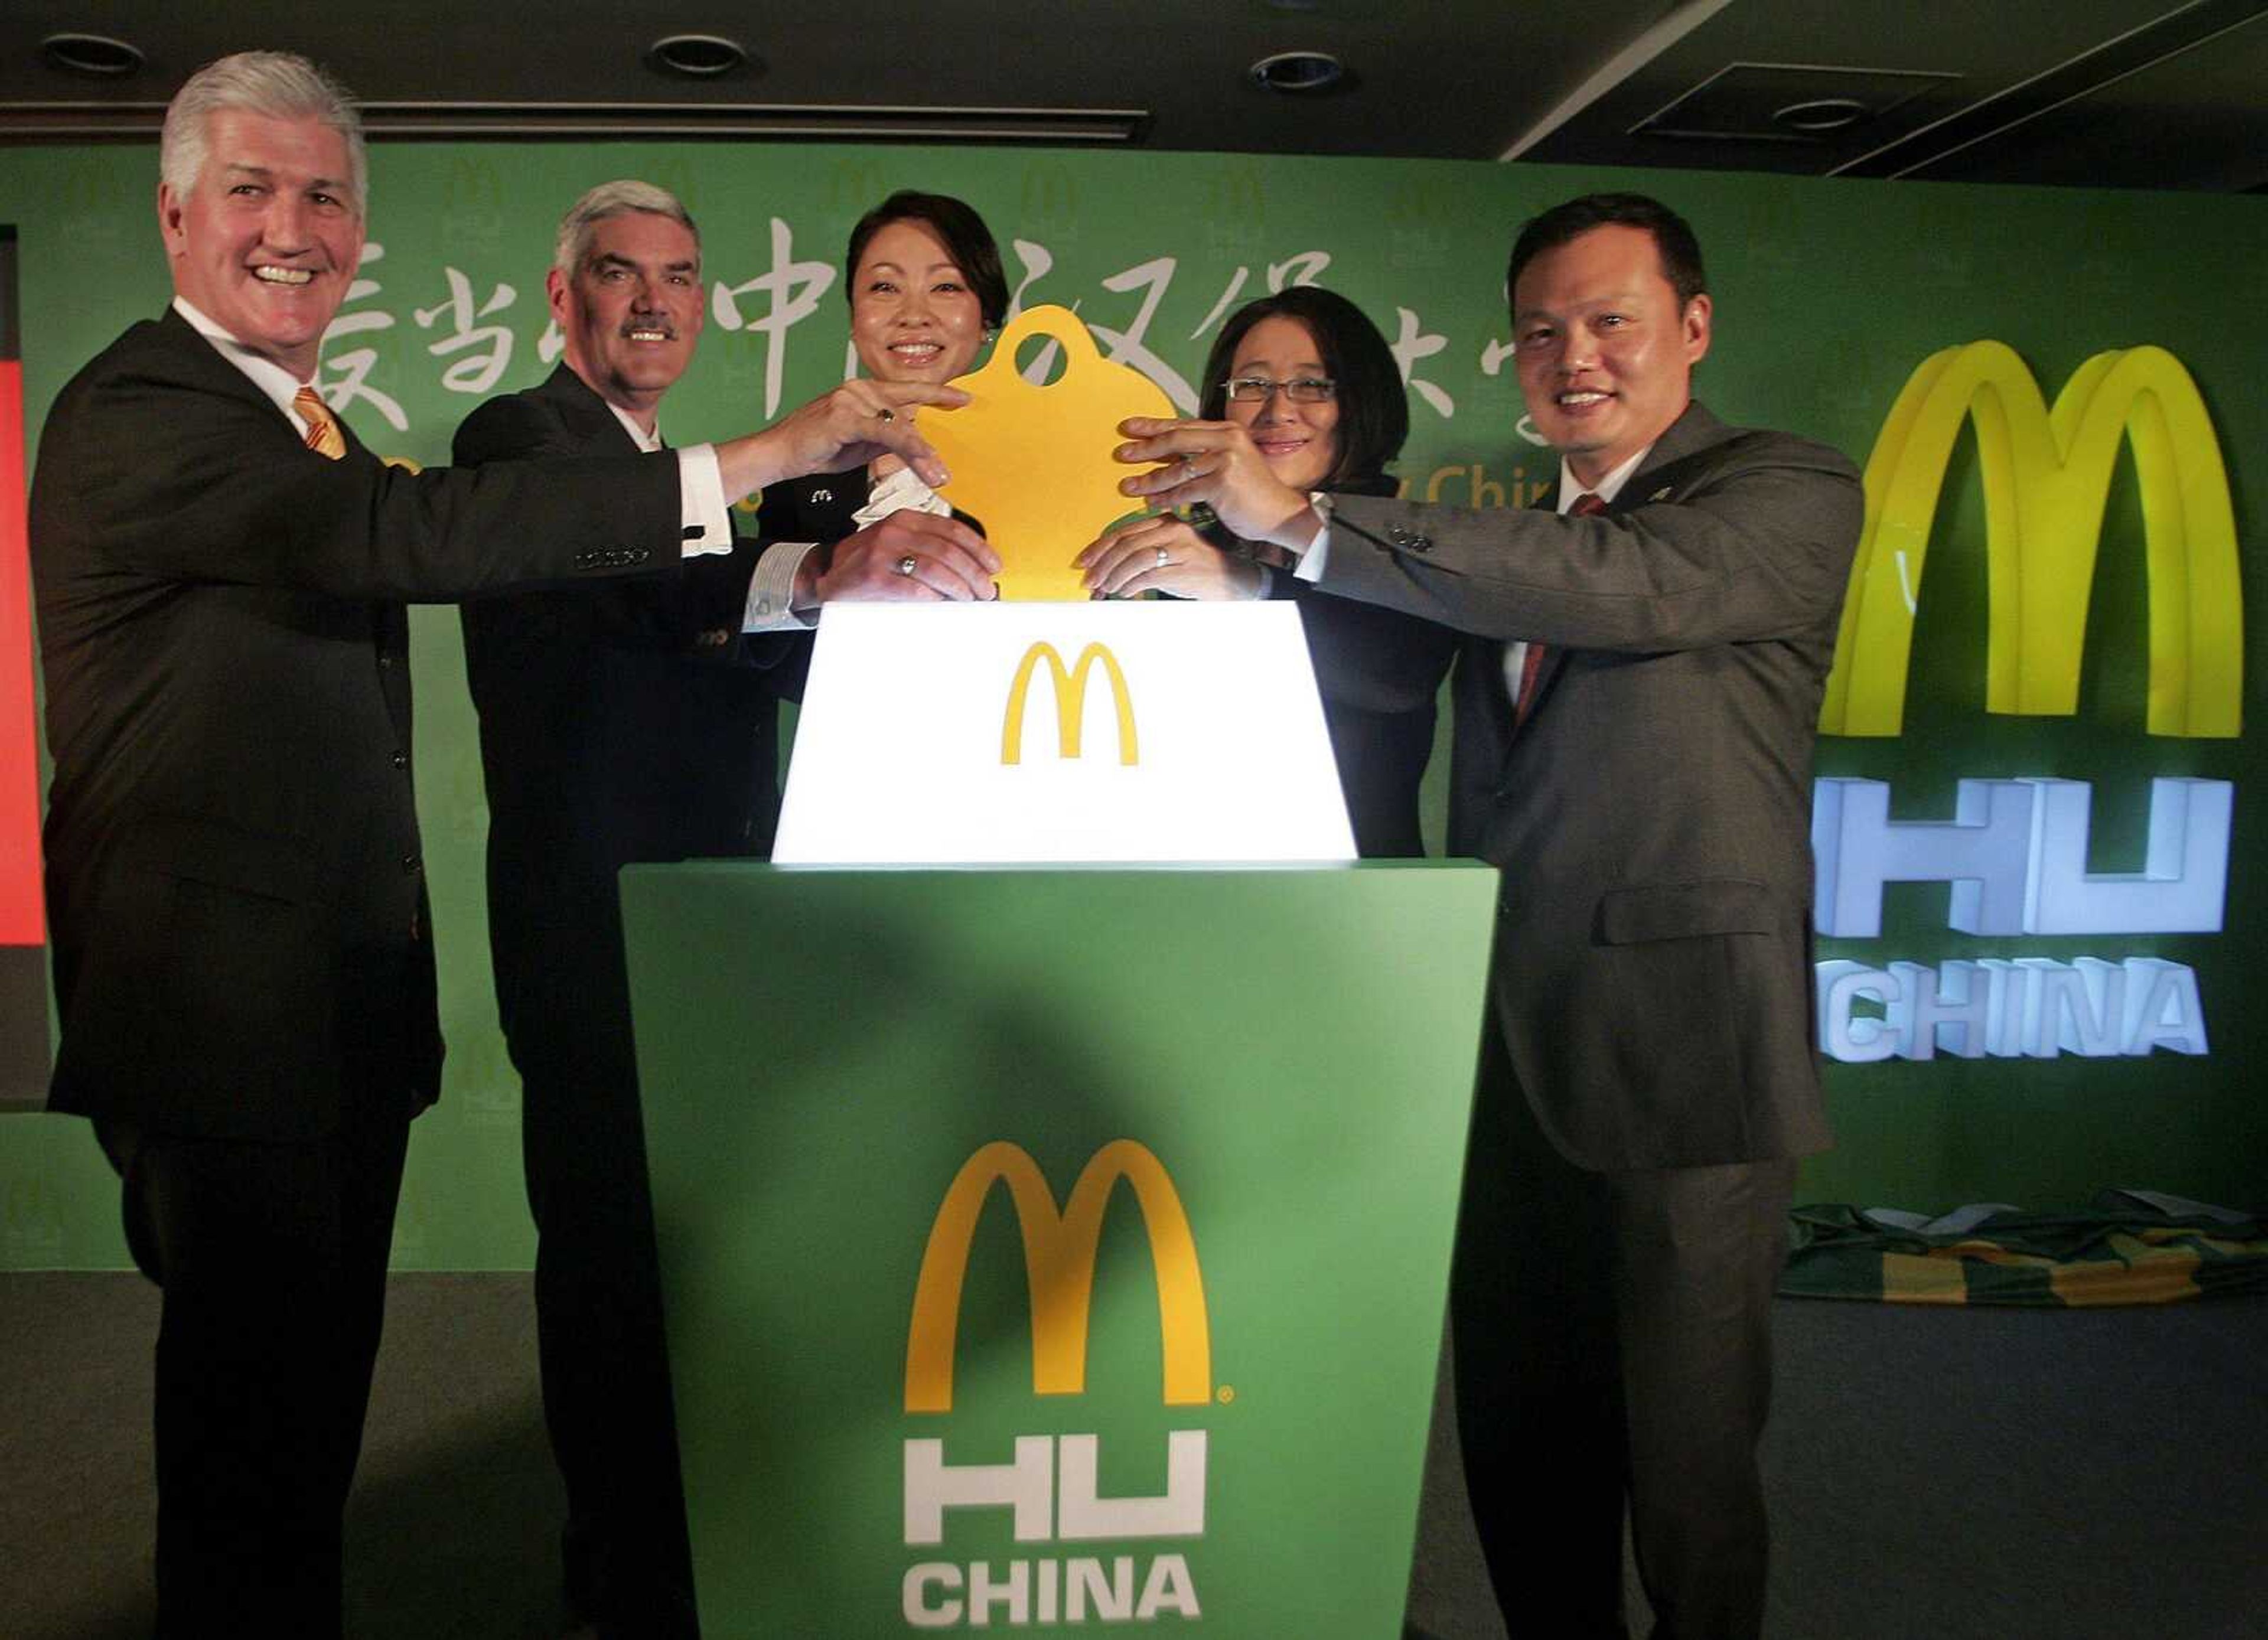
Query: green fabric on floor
x=2129, y=1247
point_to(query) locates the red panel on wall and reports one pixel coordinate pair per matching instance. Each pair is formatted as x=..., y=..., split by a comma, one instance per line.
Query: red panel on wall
x=22, y=920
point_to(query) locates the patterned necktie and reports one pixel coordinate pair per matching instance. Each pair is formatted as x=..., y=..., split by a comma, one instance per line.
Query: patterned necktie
x=323, y=435
x=1532, y=662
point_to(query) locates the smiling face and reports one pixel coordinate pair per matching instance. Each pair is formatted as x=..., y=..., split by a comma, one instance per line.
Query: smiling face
x=1299, y=441
x=913, y=316
x=1605, y=351
x=266, y=242
x=632, y=309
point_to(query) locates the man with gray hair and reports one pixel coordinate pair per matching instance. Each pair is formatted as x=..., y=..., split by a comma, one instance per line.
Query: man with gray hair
x=243, y=959
x=618, y=722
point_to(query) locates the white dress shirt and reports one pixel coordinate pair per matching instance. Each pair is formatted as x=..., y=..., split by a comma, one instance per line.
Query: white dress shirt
x=705, y=521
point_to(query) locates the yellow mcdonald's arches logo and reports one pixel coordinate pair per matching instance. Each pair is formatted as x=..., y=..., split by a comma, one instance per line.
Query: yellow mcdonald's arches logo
x=1059, y=1253
x=1071, y=702
x=2046, y=476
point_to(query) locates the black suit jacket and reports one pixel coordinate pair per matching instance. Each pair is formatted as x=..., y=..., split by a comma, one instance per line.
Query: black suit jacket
x=1379, y=671
x=1652, y=818
x=619, y=722
x=233, y=872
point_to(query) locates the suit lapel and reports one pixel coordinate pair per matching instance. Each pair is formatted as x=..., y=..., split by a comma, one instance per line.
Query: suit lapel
x=587, y=415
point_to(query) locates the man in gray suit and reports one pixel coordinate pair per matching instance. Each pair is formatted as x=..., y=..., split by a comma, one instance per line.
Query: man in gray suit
x=1636, y=700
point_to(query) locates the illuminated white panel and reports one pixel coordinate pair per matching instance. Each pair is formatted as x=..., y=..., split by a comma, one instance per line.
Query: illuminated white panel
x=905, y=753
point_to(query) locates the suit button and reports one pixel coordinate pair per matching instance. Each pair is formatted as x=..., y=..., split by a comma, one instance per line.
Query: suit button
x=386, y=661
x=411, y=865
x=401, y=759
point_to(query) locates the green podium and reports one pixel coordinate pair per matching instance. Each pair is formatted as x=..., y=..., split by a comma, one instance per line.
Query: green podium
x=1054, y=1249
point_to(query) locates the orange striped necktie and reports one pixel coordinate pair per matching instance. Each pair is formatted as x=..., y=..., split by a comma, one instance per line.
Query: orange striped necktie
x=324, y=436
x=1531, y=664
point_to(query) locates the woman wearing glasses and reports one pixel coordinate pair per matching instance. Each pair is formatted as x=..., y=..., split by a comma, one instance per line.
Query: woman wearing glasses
x=1314, y=386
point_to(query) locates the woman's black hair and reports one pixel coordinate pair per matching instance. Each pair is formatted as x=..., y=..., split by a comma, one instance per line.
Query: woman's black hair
x=958, y=227
x=1373, y=410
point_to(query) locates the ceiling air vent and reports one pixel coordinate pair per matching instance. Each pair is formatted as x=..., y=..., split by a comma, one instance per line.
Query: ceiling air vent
x=1787, y=102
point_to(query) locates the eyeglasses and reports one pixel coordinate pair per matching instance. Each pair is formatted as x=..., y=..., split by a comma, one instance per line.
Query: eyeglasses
x=1301, y=390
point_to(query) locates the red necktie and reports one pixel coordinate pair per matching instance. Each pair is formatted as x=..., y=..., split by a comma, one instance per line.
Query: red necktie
x=1532, y=662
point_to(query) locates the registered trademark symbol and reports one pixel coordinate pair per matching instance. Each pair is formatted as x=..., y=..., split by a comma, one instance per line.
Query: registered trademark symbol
x=1226, y=1393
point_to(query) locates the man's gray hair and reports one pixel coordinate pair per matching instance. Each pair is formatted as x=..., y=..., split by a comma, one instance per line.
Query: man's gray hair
x=615, y=199
x=275, y=84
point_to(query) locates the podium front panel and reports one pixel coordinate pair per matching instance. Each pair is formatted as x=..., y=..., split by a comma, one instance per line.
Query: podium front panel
x=1047, y=1249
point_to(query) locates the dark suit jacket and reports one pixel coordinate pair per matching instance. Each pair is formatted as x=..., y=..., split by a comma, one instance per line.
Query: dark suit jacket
x=233, y=870
x=1380, y=673
x=1652, y=818
x=821, y=507
x=619, y=722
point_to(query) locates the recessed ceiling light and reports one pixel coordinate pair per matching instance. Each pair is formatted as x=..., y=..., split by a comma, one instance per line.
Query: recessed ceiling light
x=97, y=55
x=1820, y=115
x=698, y=56
x=1299, y=71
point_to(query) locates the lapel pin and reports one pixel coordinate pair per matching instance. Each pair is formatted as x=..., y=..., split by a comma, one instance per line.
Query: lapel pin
x=1660, y=495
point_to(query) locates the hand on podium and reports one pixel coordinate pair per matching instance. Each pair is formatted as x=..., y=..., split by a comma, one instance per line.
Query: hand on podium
x=1158, y=552
x=923, y=556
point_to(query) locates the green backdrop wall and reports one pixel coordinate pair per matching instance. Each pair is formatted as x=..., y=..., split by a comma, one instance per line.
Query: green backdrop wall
x=1828, y=296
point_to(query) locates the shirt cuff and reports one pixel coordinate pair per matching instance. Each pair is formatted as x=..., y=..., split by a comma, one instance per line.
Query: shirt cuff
x=705, y=521
x=771, y=591
x=1315, y=558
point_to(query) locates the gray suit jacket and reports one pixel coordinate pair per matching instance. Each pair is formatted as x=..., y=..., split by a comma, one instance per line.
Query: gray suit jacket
x=1652, y=818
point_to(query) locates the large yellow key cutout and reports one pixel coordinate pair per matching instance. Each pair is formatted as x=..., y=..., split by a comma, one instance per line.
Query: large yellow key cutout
x=1032, y=463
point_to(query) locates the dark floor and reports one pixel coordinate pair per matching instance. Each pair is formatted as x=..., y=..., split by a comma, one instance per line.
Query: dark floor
x=1934, y=1474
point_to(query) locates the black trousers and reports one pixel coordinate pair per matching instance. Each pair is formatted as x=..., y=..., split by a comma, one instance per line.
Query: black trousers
x=1611, y=1333
x=598, y=1299
x=272, y=1259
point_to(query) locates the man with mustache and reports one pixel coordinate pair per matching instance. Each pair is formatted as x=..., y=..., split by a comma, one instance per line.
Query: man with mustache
x=243, y=956
x=618, y=724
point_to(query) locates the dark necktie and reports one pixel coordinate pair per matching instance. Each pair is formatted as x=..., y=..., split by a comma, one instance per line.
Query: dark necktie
x=1532, y=662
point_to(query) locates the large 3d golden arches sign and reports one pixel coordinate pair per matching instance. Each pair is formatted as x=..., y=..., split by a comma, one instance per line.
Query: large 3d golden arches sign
x=1060, y=1253
x=1071, y=702
x=2046, y=477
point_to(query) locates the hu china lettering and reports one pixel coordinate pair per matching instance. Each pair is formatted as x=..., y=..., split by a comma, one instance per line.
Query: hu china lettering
x=2014, y=851
x=1048, y=1487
